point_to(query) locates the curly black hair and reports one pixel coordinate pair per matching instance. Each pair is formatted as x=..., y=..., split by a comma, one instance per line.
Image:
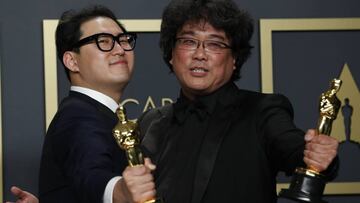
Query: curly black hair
x=221, y=14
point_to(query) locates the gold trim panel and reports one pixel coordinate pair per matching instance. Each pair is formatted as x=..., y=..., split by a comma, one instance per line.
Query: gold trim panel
x=1, y=143
x=268, y=26
x=335, y=188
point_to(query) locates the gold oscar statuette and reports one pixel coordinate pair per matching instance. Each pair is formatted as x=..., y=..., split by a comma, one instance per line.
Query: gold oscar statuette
x=307, y=184
x=126, y=134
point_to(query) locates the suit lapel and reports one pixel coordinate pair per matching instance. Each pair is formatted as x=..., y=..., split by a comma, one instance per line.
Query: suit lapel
x=155, y=132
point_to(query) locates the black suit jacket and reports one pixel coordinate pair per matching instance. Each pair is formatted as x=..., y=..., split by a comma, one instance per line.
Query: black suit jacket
x=250, y=138
x=79, y=154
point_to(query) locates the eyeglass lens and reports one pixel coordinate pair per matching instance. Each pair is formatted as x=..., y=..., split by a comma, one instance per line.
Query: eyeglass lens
x=106, y=42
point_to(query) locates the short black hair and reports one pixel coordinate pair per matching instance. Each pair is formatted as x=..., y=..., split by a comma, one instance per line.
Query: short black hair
x=68, y=30
x=221, y=14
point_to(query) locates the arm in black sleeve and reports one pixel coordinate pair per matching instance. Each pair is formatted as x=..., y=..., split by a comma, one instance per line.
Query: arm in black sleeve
x=284, y=142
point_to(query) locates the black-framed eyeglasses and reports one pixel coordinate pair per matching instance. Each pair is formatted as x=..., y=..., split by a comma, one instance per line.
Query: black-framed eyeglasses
x=106, y=41
x=208, y=45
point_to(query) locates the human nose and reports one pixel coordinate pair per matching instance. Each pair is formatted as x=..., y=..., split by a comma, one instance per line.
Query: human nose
x=200, y=52
x=118, y=48
x=200, y=44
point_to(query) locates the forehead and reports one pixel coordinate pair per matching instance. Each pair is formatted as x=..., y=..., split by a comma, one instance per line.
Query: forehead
x=98, y=25
x=202, y=29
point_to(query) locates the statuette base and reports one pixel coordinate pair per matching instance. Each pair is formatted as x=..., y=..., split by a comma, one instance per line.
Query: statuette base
x=305, y=186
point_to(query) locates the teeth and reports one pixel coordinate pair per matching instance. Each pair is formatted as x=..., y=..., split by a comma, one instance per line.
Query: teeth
x=198, y=70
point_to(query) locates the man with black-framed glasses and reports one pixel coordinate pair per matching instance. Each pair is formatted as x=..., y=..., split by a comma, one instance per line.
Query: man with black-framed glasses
x=81, y=161
x=106, y=41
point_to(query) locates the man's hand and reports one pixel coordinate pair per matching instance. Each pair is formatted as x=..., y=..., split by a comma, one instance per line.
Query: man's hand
x=320, y=150
x=137, y=184
x=23, y=196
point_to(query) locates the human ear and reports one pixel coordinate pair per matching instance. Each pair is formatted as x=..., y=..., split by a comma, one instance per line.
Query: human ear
x=70, y=61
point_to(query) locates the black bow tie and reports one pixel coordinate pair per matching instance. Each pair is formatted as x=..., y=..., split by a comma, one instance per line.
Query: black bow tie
x=184, y=109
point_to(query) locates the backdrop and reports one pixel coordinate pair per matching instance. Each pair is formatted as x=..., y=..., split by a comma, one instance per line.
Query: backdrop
x=299, y=46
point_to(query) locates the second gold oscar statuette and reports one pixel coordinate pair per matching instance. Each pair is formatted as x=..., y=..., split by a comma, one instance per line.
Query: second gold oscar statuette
x=126, y=134
x=307, y=184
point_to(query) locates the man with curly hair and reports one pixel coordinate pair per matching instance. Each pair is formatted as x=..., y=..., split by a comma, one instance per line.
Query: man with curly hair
x=218, y=143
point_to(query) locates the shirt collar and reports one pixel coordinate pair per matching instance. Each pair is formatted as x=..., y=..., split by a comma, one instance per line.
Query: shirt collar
x=207, y=103
x=98, y=96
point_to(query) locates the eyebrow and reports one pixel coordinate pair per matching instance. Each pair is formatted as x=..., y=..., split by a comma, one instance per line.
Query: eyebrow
x=211, y=36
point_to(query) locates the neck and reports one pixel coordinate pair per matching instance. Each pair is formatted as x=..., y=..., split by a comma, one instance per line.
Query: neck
x=114, y=90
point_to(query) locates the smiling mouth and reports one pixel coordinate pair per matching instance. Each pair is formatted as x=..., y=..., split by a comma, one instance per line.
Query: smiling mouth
x=118, y=62
x=199, y=70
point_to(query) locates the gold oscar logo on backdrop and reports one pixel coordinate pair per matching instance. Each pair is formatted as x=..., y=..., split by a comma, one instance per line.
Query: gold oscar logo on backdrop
x=346, y=127
x=149, y=103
